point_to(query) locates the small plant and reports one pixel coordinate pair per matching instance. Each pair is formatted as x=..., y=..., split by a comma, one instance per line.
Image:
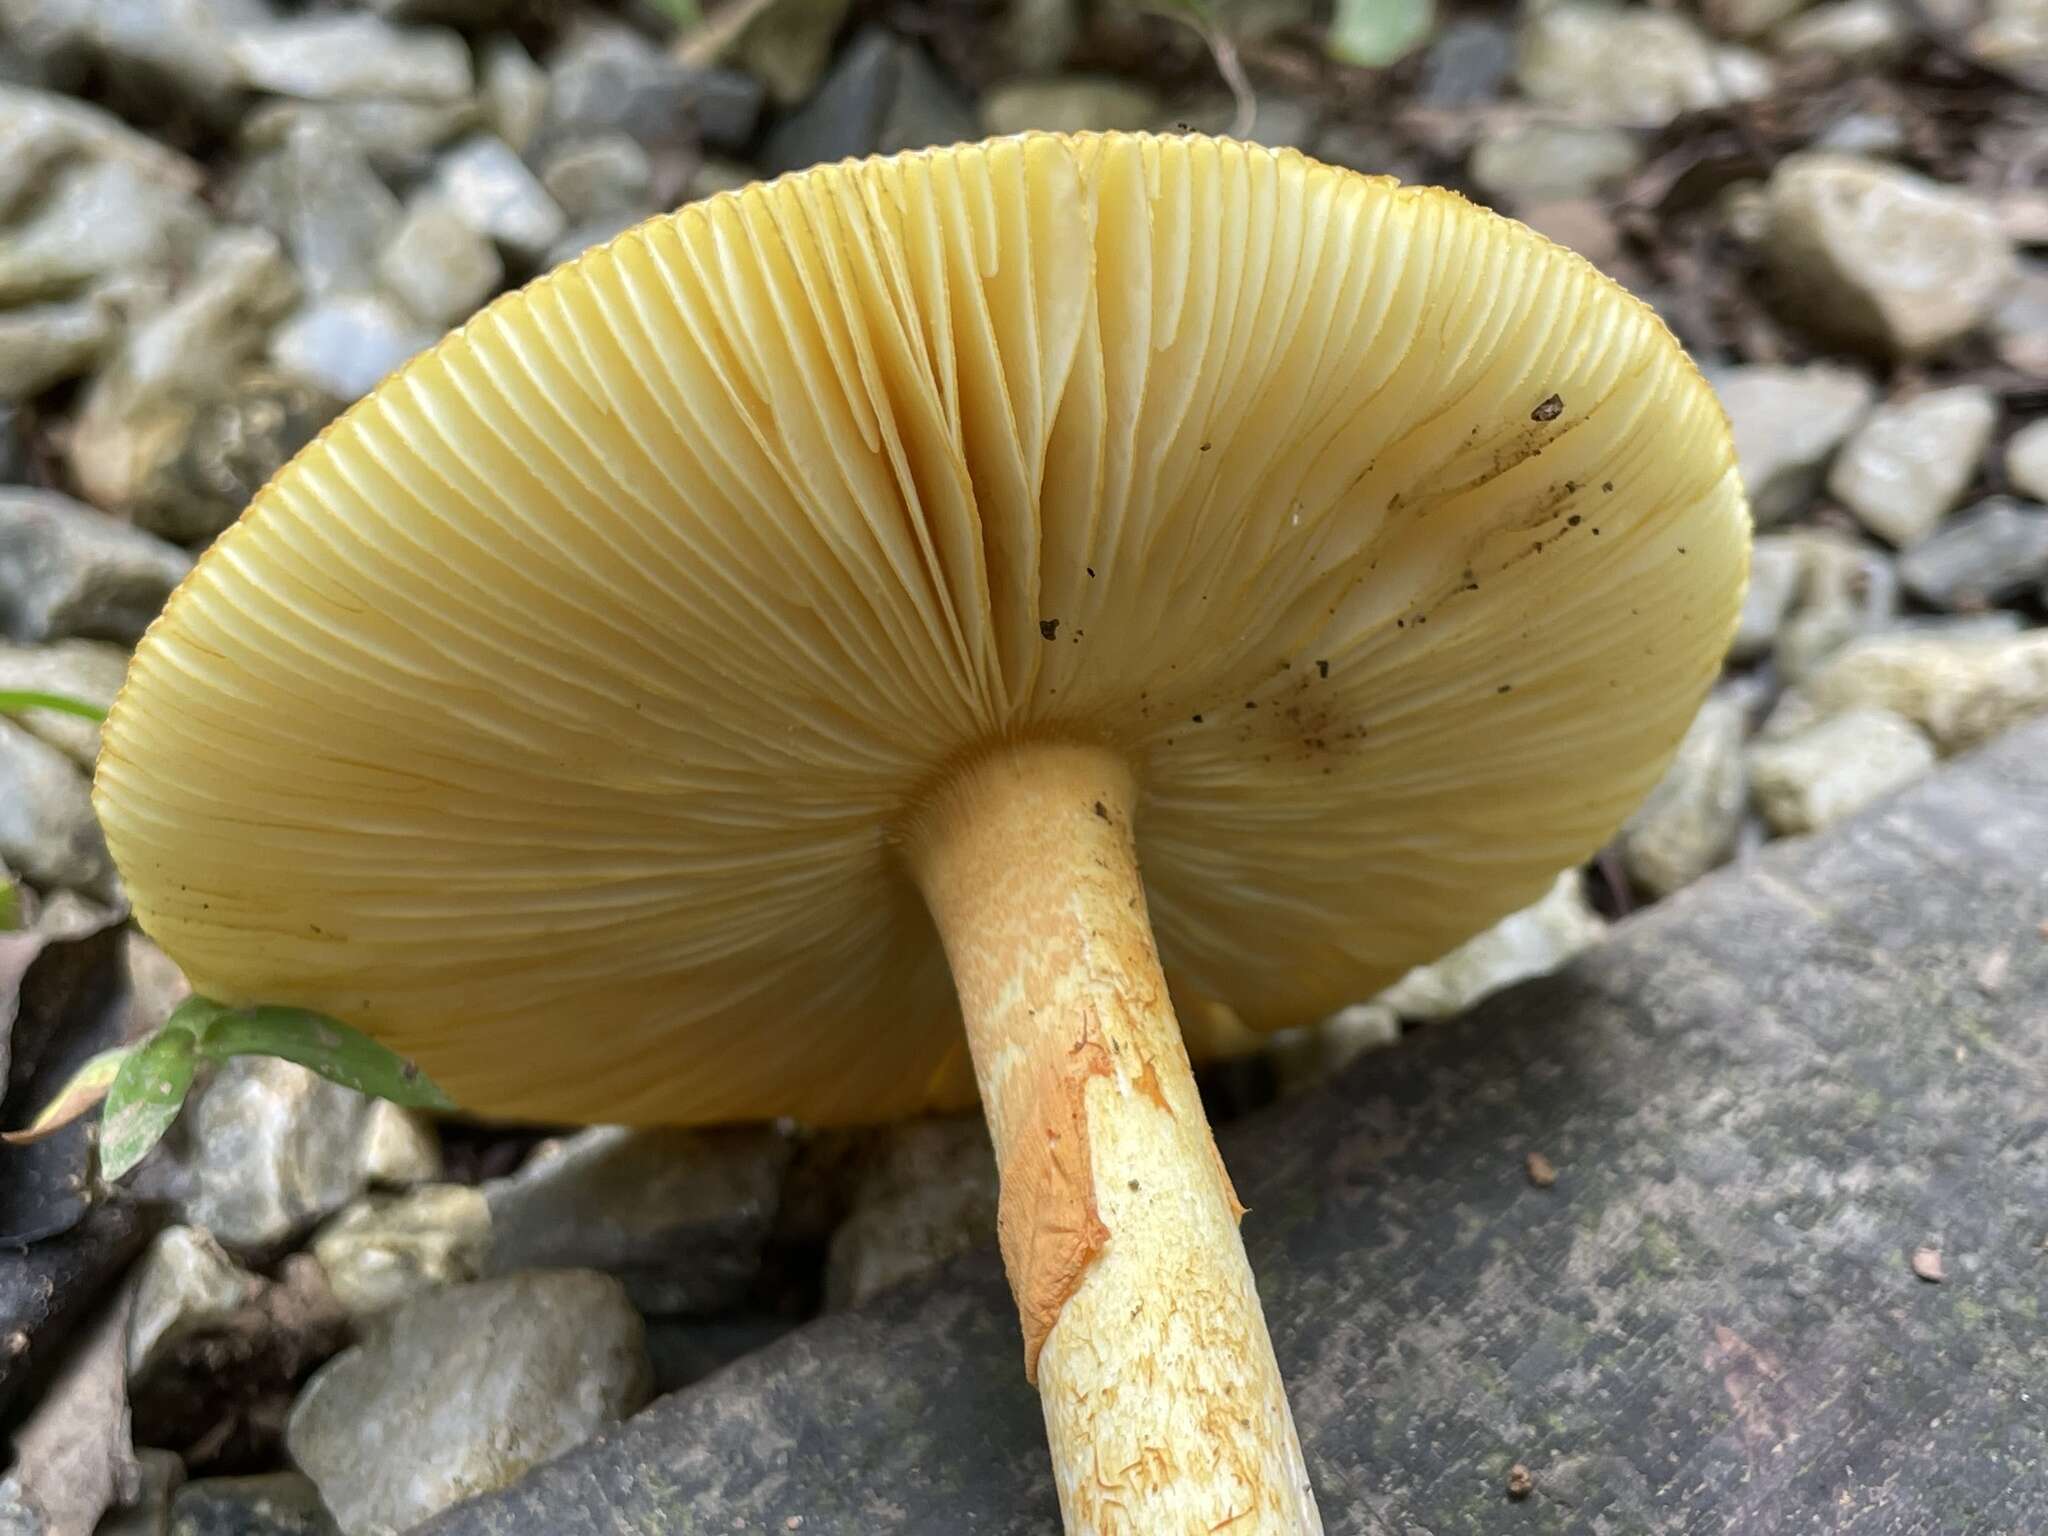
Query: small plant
x=144, y=1084
x=15, y=701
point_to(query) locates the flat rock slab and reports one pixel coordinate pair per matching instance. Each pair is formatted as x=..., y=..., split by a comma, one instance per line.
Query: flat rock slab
x=1761, y=1098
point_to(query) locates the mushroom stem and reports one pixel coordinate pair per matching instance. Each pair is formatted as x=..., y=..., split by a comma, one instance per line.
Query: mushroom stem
x=1119, y=1225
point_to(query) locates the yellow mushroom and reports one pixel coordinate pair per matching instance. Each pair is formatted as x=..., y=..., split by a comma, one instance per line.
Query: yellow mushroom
x=698, y=682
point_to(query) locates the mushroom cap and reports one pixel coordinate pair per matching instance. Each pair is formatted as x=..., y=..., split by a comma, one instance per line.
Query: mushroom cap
x=552, y=715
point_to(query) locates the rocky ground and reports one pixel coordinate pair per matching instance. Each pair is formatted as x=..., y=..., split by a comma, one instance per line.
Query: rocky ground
x=223, y=220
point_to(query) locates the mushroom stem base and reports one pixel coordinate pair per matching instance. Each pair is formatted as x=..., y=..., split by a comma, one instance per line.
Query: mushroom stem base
x=1163, y=1403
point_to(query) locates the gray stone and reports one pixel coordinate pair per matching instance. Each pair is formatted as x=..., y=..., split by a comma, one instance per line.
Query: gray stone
x=48, y=1286
x=148, y=1512
x=1846, y=589
x=925, y=1193
x=514, y=91
x=688, y=1349
x=2012, y=37
x=386, y=1249
x=1777, y=564
x=787, y=46
x=99, y=218
x=229, y=448
x=345, y=344
x=47, y=829
x=1688, y=825
x=608, y=79
x=1069, y=104
x=397, y=139
x=1854, y=31
x=1879, y=258
x=679, y=1216
x=1466, y=65
x=73, y=1460
x=1634, y=68
x=1960, y=688
x=1787, y=423
x=185, y=1283
x=267, y=1149
x=1847, y=762
x=1531, y=942
x=275, y=1504
x=461, y=1391
x=88, y=670
x=489, y=188
x=339, y=57
x=600, y=178
x=1760, y=1098
x=39, y=130
x=46, y=344
x=2026, y=460
x=1539, y=161
x=1993, y=551
x=2019, y=325
x=882, y=95
x=440, y=267
x=169, y=60
x=67, y=570
x=1854, y=133
x=317, y=192
x=1906, y=466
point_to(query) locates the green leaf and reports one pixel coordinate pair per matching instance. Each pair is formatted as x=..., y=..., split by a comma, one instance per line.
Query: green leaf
x=15, y=700
x=1376, y=33
x=10, y=905
x=327, y=1046
x=88, y=1085
x=148, y=1091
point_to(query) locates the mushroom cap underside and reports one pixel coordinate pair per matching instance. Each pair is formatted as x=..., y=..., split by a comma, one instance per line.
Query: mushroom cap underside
x=551, y=716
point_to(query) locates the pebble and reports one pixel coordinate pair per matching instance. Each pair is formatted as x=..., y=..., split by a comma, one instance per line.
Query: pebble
x=601, y=177
x=345, y=344
x=338, y=57
x=386, y=1249
x=1879, y=258
x=461, y=1391
x=397, y=138
x=1070, y=104
x=925, y=1193
x=1906, y=466
x=1689, y=823
x=98, y=219
x=148, y=1511
x=882, y=95
x=1467, y=64
x=169, y=61
x=1994, y=551
x=1819, y=776
x=229, y=449
x=2013, y=37
x=47, y=830
x=316, y=191
x=66, y=570
x=91, y=670
x=1961, y=689
x=1777, y=563
x=1846, y=589
x=274, y=1504
x=679, y=1216
x=2026, y=460
x=1538, y=162
x=2019, y=326
x=45, y=344
x=513, y=91
x=610, y=79
x=1632, y=68
x=1787, y=423
x=1864, y=32
x=485, y=183
x=1532, y=942
x=440, y=267
x=267, y=1149
x=73, y=1460
x=41, y=129
x=185, y=1283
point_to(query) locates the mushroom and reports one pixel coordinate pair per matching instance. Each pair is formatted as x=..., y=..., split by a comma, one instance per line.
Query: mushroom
x=727, y=665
